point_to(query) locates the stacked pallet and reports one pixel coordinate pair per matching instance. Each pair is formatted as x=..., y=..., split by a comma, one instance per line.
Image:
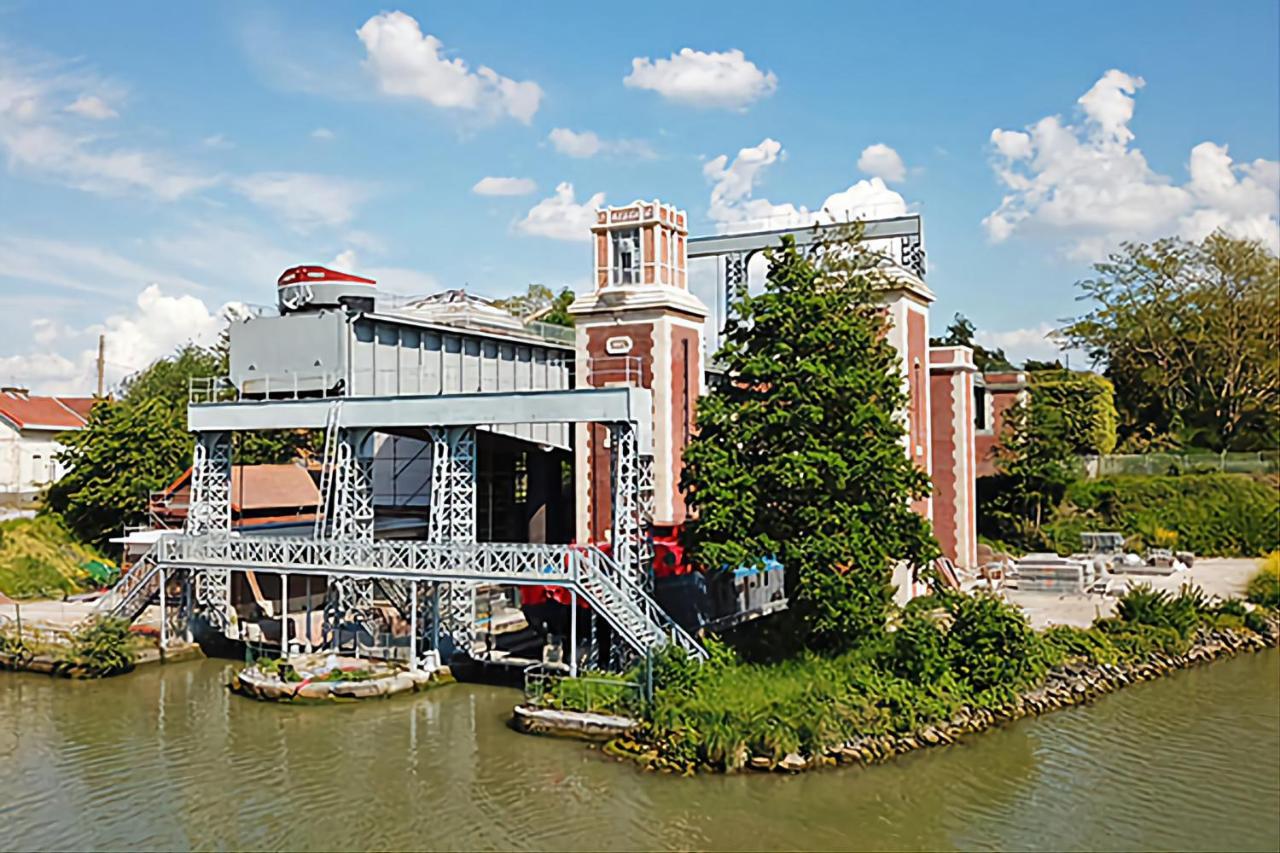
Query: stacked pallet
x=1051, y=573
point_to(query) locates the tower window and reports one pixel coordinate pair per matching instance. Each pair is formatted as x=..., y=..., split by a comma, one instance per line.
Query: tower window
x=626, y=256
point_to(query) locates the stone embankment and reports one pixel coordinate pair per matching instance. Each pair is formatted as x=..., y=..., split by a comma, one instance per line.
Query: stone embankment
x=1064, y=687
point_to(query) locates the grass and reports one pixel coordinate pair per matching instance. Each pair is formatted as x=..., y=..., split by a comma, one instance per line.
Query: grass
x=39, y=558
x=943, y=655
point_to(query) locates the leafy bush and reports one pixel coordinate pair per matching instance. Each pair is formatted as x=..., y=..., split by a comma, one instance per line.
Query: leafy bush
x=103, y=646
x=1264, y=587
x=1183, y=612
x=1226, y=515
x=990, y=644
x=1081, y=404
x=40, y=558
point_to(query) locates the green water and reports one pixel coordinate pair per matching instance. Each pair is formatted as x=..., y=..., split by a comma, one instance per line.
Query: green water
x=165, y=758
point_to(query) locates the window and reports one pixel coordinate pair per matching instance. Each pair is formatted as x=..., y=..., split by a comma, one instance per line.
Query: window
x=626, y=256
x=980, y=408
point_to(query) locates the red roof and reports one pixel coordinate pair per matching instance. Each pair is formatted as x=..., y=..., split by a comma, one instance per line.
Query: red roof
x=259, y=487
x=27, y=412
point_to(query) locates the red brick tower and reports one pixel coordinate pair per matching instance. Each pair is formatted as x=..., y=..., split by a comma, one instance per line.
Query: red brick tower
x=640, y=325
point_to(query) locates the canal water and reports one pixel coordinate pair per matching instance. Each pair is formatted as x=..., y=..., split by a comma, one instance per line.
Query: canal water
x=165, y=758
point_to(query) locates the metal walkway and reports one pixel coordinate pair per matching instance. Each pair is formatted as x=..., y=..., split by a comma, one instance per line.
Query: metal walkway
x=589, y=572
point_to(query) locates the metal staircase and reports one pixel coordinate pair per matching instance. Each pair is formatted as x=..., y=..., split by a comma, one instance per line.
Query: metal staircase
x=133, y=592
x=608, y=588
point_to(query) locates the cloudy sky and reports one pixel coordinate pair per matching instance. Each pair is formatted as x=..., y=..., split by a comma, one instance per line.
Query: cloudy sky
x=161, y=162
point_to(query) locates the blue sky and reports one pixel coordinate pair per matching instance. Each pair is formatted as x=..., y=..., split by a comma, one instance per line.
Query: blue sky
x=161, y=161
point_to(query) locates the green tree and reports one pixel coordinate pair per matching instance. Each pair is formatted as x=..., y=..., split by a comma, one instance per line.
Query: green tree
x=139, y=444
x=540, y=303
x=1188, y=333
x=1035, y=463
x=1080, y=405
x=961, y=333
x=799, y=452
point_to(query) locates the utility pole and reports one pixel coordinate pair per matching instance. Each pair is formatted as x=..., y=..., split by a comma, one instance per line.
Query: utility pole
x=102, y=363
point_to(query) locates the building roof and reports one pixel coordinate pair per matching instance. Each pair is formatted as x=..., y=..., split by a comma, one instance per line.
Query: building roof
x=272, y=487
x=255, y=487
x=25, y=411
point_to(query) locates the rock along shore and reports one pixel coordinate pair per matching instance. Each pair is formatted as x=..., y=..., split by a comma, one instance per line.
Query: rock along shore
x=1064, y=687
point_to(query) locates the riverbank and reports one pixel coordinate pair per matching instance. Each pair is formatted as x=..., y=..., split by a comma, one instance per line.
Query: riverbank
x=1067, y=685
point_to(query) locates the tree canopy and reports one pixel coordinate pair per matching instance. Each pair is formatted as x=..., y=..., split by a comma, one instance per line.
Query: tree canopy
x=799, y=452
x=540, y=303
x=1188, y=334
x=961, y=333
x=139, y=444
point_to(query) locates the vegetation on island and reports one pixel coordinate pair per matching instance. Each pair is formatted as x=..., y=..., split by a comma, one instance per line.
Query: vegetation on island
x=540, y=303
x=796, y=457
x=798, y=454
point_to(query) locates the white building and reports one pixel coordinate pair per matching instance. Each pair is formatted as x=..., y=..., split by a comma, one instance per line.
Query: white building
x=29, y=427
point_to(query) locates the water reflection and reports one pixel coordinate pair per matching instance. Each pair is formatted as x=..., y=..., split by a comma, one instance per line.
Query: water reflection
x=166, y=758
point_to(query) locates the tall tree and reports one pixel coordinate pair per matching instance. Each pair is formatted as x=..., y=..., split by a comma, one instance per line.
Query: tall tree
x=1188, y=333
x=799, y=452
x=139, y=444
x=961, y=333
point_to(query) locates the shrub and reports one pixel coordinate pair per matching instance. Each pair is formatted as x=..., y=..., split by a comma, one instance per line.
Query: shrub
x=1226, y=515
x=990, y=643
x=103, y=646
x=1182, y=613
x=1264, y=587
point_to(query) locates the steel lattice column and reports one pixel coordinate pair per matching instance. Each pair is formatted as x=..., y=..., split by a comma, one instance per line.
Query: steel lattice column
x=453, y=516
x=210, y=509
x=353, y=487
x=625, y=476
x=209, y=512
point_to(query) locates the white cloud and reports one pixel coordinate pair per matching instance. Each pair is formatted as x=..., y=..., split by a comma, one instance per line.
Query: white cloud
x=50, y=152
x=504, y=186
x=79, y=268
x=734, y=207
x=408, y=63
x=217, y=140
x=881, y=161
x=344, y=261
x=588, y=144
x=1021, y=344
x=38, y=141
x=91, y=106
x=1087, y=183
x=726, y=80
x=303, y=199
x=566, y=141
x=155, y=326
x=561, y=217
x=322, y=133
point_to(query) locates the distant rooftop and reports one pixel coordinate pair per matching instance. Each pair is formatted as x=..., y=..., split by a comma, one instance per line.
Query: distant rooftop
x=26, y=411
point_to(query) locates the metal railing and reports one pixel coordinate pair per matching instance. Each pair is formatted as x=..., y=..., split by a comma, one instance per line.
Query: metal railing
x=1262, y=462
x=542, y=687
x=618, y=598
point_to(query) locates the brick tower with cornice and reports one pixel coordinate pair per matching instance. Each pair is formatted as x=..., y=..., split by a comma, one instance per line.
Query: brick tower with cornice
x=639, y=325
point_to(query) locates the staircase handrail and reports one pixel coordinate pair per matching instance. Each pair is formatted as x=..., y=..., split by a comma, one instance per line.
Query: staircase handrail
x=629, y=591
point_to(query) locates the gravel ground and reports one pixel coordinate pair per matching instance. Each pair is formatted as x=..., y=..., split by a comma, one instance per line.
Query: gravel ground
x=1221, y=576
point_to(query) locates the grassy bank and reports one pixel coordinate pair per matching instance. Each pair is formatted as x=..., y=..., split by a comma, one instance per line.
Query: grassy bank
x=39, y=558
x=950, y=665
x=97, y=648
